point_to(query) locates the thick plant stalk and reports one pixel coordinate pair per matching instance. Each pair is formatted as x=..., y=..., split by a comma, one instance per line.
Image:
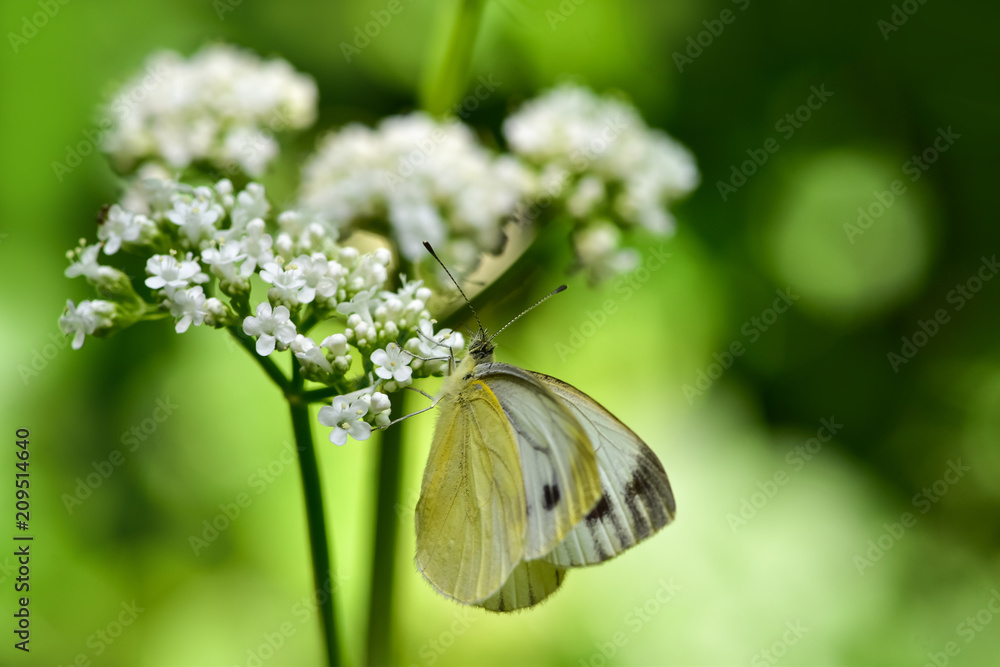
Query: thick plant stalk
x=315, y=517
x=312, y=490
x=447, y=80
x=380, y=616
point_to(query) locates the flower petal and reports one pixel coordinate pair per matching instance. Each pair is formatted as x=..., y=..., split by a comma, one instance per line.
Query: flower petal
x=265, y=345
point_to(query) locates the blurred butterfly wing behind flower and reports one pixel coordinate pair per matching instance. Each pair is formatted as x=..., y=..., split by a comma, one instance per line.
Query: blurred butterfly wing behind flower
x=561, y=480
x=636, y=499
x=470, y=519
x=531, y=582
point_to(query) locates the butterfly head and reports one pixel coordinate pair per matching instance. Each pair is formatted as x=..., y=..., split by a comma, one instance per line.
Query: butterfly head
x=481, y=348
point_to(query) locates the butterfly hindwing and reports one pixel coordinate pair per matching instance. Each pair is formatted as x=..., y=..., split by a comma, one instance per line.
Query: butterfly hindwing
x=470, y=519
x=561, y=481
x=636, y=499
x=531, y=582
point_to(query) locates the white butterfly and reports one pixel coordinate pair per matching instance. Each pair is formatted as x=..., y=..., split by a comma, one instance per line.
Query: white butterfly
x=528, y=476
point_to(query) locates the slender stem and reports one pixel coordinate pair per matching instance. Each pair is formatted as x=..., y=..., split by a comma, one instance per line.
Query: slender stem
x=380, y=616
x=312, y=319
x=444, y=86
x=536, y=258
x=449, y=77
x=269, y=366
x=313, y=492
x=317, y=395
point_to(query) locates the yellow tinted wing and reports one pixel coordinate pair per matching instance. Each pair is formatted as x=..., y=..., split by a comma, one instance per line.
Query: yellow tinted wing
x=531, y=582
x=561, y=481
x=636, y=499
x=470, y=518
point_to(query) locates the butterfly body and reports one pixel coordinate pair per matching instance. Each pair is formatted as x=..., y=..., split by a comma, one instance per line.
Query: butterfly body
x=526, y=477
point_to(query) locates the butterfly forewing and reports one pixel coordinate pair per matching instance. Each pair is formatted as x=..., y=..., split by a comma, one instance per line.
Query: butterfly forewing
x=470, y=519
x=636, y=499
x=561, y=481
x=530, y=583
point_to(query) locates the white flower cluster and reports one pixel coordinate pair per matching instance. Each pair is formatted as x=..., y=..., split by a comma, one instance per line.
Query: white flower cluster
x=354, y=414
x=612, y=171
x=223, y=106
x=212, y=238
x=411, y=179
x=429, y=180
x=86, y=319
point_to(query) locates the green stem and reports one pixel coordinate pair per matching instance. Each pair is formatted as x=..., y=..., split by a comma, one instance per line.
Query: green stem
x=448, y=78
x=317, y=395
x=312, y=490
x=312, y=319
x=269, y=366
x=443, y=87
x=318, y=541
x=380, y=616
x=521, y=273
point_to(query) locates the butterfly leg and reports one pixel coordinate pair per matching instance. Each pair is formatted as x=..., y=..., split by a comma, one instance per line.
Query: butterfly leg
x=420, y=391
x=417, y=356
x=412, y=414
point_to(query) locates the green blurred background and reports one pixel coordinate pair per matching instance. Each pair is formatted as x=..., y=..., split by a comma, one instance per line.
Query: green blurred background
x=765, y=539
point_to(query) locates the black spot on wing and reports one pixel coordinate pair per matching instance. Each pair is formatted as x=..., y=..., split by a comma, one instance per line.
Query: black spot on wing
x=603, y=513
x=551, y=496
x=531, y=593
x=602, y=555
x=655, y=495
x=658, y=513
x=633, y=497
x=601, y=510
x=500, y=603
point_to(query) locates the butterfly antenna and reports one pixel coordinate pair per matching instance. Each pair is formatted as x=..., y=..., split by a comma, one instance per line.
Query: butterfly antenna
x=434, y=255
x=540, y=302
